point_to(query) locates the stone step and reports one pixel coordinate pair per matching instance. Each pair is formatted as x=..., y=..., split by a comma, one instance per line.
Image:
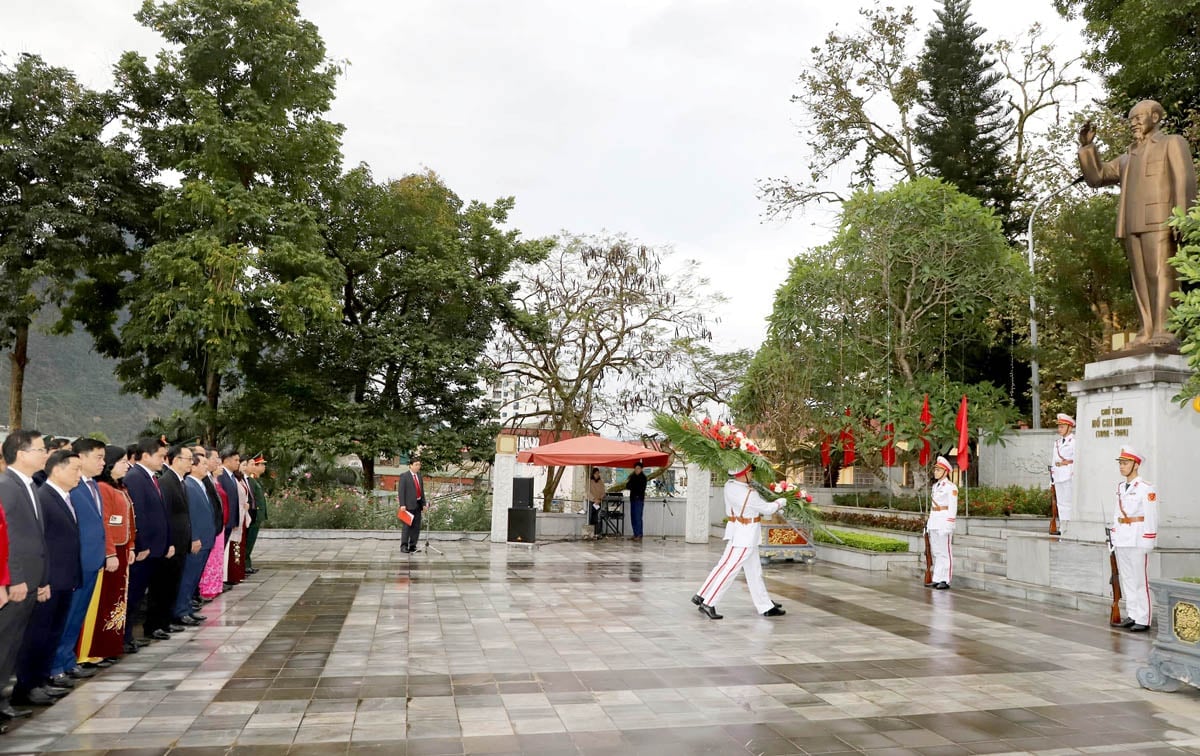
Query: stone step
x=1001, y=586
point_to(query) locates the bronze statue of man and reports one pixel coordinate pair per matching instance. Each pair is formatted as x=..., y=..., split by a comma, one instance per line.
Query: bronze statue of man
x=1156, y=175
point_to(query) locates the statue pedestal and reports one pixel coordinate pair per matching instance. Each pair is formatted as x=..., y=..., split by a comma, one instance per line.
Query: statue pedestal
x=1128, y=401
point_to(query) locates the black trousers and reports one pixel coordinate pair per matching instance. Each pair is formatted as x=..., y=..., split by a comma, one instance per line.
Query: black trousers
x=411, y=533
x=42, y=635
x=163, y=590
x=139, y=579
x=14, y=618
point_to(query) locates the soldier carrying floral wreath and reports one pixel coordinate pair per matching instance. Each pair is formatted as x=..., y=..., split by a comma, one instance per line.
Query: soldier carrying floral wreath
x=752, y=493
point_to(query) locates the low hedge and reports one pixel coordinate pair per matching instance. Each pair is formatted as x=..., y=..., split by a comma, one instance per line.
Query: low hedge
x=864, y=541
x=986, y=501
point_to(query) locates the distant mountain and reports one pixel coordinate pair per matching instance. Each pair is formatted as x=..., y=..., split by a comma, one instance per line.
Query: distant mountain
x=71, y=391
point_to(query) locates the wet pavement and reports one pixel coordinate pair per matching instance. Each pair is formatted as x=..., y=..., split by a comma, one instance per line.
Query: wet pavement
x=348, y=646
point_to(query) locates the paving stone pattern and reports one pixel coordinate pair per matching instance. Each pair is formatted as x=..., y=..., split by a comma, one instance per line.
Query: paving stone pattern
x=340, y=646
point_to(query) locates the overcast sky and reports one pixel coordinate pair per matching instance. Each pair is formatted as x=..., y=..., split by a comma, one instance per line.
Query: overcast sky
x=655, y=118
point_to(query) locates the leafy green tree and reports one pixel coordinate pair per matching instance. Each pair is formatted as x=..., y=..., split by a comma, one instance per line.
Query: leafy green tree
x=613, y=314
x=1145, y=50
x=235, y=108
x=1185, y=315
x=73, y=198
x=426, y=280
x=964, y=133
x=875, y=318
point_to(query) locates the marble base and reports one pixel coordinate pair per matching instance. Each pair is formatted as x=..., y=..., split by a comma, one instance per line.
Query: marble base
x=1081, y=566
x=1129, y=401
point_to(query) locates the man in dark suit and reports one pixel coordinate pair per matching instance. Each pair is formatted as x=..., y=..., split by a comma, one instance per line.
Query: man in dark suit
x=153, y=527
x=231, y=462
x=210, y=488
x=203, y=532
x=164, y=584
x=63, y=576
x=93, y=556
x=25, y=453
x=411, y=490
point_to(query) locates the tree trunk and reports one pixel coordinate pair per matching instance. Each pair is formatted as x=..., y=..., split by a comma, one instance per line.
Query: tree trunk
x=553, y=476
x=212, y=395
x=368, y=463
x=16, y=388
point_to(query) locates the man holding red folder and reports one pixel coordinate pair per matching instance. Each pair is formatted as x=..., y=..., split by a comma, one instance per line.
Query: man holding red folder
x=411, y=490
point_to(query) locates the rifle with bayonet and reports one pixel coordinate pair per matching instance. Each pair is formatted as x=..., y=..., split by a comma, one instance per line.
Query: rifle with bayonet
x=1114, y=612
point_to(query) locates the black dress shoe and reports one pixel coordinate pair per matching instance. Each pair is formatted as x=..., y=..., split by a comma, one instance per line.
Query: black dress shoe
x=62, y=681
x=35, y=697
x=1125, y=623
x=775, y=611
x=173, y=628
x=185, y=621
x=697, y=600
x=776, y=604
x=198, y=617
x=141, y=642
x=160, y=635
x=55, y=691
x=79, y=673
x=1138, y=628
x=132, y=648
x=8, y=712
x=942, y=586
x=710, y=612
x=251, y=570
x=931, y=585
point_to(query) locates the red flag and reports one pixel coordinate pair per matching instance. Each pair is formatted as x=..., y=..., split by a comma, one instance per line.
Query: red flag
x=926, y=422
x=847, y=439
x=960, y=424
x=889, y=451
x=826, y=450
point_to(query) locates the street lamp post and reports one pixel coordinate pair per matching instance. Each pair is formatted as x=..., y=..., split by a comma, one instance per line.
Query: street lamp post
x=1035, y=379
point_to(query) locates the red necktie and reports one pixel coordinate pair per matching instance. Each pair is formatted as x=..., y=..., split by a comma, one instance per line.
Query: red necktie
x=417, y=483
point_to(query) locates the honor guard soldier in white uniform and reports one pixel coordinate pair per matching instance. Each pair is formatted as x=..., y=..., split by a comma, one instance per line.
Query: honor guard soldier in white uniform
x=744, y=509
x=942, y=513
x=1134, y=534
x=1062, y=468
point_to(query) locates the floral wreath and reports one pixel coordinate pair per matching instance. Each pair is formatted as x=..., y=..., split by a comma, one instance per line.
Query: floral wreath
x=718, y=447
x=721, y=447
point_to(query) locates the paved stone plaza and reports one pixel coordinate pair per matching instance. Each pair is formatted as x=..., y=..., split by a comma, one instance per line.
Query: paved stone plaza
x=348, y=646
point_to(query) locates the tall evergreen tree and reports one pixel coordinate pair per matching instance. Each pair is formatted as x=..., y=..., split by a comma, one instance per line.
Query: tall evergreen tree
x=963, y=133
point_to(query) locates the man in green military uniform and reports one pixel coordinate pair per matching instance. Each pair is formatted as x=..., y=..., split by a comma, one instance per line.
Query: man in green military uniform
x=258, y=508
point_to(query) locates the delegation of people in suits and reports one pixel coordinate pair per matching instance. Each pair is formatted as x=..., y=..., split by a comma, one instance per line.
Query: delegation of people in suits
x=89, y=531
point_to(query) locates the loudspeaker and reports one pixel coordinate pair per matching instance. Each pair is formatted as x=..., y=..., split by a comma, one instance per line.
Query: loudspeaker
x=522, y=525
x=523, y=492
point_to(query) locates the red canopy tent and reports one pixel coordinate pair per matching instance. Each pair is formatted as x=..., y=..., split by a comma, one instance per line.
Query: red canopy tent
x=594, y=451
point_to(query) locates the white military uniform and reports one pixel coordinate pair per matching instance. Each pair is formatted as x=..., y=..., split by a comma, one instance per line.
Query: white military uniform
x=744, y=508
x=1134, y=535
x=940, y=525
x=1062, y=471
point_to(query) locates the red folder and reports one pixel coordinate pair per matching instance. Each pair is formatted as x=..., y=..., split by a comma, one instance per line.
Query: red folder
x=404, y=515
